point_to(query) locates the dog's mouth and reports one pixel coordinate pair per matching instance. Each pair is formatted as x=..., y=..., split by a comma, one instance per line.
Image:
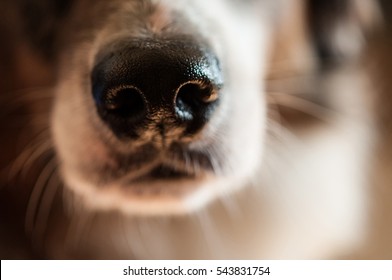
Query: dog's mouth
x=175, y=168
x=163, y=182
x=166, y=173
x=163, y=187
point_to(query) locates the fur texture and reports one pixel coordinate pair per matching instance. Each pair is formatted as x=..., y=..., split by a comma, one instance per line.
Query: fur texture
x=280, y=170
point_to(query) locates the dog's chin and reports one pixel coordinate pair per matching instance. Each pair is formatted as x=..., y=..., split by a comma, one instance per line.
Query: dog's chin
x=154, y=194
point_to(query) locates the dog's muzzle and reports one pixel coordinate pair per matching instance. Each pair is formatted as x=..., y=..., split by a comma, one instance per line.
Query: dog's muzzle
x=170, y=83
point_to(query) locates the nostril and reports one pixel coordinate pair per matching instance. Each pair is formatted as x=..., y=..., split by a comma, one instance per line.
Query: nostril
x=125, y=102
x=123, y=108
x=193, y=99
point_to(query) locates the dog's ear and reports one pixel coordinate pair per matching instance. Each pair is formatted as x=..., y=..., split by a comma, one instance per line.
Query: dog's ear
x=339, y=28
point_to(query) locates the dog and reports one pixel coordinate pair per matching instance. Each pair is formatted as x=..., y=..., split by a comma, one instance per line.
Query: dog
x=188, y=129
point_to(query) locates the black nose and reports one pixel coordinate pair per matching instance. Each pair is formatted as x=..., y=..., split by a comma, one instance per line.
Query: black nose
x=139, y=82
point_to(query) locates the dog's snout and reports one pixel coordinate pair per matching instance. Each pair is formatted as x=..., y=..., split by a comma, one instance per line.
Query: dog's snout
x=138, y=82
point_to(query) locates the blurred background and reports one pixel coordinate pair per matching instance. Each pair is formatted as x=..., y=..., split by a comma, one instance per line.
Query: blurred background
x=380, y=63
x=21, y=68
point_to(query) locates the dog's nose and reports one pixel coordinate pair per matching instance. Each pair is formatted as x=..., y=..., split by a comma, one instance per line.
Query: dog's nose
x=142, y=81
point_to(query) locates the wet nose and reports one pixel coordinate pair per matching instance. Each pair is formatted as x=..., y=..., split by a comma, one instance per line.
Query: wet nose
x=135, y=82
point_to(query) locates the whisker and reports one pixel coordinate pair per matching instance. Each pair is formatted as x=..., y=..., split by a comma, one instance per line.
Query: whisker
x=303, y=105
x=123, y=234
x=144, y=233
x=279, y=75
x=135, y=244
x=32, y=145
x=214, y=161
x=275, y=157
x=37, y=191
x=210, y=233
x=15, y=100
x=187, y=160
x=45, y=147
x=279, y=134
x=46, y=205
x=80, y=223
x=231, y=206
x=195, y=165
x=31, y=151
